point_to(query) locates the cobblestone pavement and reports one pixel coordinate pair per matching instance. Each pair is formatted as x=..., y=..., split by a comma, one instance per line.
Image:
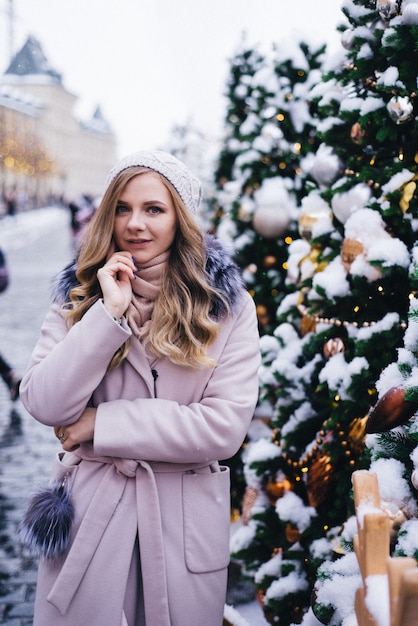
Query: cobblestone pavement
x=37, y=245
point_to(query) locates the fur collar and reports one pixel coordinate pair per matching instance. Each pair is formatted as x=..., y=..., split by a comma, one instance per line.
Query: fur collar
x=223, y=274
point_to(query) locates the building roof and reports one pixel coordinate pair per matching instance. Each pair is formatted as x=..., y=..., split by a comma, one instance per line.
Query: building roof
x=31, y=61
x=97, y=124
x=18, y=101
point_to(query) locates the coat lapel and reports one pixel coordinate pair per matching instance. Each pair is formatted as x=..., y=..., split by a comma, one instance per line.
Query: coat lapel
x=142, y=363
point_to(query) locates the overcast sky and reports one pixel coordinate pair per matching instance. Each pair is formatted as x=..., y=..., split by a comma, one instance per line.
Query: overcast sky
x=151, y=65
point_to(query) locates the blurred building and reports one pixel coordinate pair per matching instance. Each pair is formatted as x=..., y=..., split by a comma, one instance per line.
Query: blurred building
x=45, y=152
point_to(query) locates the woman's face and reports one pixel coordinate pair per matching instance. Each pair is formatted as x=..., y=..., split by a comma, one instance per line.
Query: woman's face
x=145, y=220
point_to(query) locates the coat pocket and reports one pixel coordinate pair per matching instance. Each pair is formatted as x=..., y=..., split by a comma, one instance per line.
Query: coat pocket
x=206, y=506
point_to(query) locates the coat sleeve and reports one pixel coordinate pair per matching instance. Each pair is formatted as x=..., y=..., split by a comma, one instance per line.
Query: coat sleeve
x=211, y=429
x=67, y=365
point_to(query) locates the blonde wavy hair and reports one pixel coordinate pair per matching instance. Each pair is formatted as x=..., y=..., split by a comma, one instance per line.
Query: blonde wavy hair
x=182, y=327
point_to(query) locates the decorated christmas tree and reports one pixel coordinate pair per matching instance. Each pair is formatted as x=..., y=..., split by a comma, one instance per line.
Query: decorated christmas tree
x=269, y=128
x=243, y=66
x=341, y=323
x=392, y=443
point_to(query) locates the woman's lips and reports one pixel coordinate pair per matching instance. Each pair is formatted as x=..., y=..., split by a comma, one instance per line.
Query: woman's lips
x=139, y=242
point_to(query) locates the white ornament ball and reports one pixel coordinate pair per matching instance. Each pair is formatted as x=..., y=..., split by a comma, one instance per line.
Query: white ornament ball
x=347, y=39
x=414, y=479
x=409, y=13
x=326, y=165
x=271, y=221
x=345, y=204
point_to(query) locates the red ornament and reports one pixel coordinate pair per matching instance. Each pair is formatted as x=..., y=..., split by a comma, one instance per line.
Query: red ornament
x=390, y=411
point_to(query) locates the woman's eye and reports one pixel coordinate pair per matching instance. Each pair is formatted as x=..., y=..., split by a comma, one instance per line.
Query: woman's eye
x=121, y=208
x=155, y=210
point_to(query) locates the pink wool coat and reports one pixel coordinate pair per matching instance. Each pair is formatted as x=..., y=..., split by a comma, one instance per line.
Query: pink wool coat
x=151, y=473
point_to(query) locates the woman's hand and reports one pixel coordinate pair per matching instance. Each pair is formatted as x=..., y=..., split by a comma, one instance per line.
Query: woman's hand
x=79, y=432
x=115, y=281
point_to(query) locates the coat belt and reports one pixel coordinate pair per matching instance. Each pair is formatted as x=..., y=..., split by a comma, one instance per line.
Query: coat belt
x=94, y=524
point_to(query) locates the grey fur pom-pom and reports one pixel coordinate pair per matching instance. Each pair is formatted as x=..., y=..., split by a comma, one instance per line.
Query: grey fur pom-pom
x=46, y=527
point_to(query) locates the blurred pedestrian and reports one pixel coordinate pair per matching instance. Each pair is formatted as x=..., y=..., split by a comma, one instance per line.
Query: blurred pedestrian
x=6, y=371
x=4, y=272
x=82, y=210
x=10, y=202
x=147, y=370
x=10, y=378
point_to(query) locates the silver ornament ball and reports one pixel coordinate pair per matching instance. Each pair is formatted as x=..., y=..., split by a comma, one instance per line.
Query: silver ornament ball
x=271, y=221
x=400, y=109
x=387, y=8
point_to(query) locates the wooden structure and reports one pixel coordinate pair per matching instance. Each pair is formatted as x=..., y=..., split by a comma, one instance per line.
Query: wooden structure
x=371, y=545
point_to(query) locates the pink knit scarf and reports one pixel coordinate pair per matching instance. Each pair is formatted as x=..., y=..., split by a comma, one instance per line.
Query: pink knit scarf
x=145, y=290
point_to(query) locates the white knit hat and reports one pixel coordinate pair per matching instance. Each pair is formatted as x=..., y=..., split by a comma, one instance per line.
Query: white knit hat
x=185, y=183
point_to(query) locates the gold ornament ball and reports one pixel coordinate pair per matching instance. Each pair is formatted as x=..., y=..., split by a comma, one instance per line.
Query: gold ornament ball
x=250, y=496
x=333, y=346
x=276, y=488
x=251, y=268
x=307, y=325
x=260, y=597
x=263, y=315
x=351, y=248
x=357, y=434
x=308, y=218
x=357, y=133
x=269, y=261
x=292, y=534
x=408, y=193
x=305, y=226
x=319, y=478
x=270, y=221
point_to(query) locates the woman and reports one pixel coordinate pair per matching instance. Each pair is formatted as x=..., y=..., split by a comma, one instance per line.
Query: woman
x=147, y=370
